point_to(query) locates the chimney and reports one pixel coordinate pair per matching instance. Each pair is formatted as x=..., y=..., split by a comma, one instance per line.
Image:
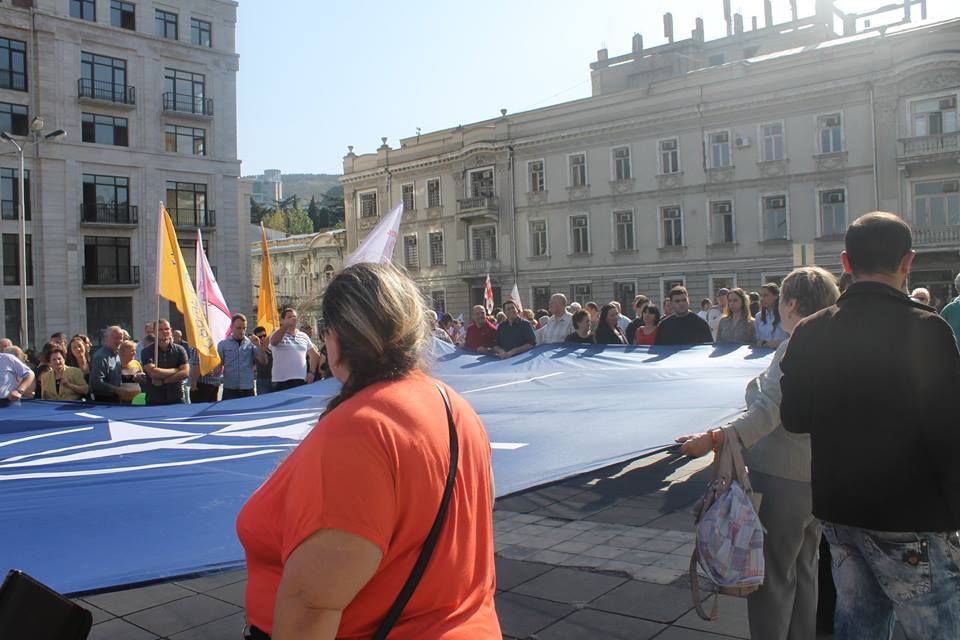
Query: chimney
x=767, y=13
x=668, y=26
x=698, y=30
x=737, y=24
x=753, y=22
x=793, y=12
x=601, y=55
x=727, y=17
x=906, y=10
x=637, y=43
x=923, y=9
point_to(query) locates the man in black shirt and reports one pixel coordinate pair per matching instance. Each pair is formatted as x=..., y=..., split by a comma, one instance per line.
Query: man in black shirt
x=515, y=334
x=874, y=380
x=166, y=372
x=682, y=327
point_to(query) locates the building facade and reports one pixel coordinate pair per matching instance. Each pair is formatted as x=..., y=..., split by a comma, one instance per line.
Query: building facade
x=721, y=163
x=302, y=266
x=146, y=92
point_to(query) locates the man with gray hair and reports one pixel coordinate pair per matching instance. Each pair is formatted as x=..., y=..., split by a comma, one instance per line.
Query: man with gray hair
x=4, y=343
x=106, y=379
x=438, y=332
x=951, y=312
x=560, y=324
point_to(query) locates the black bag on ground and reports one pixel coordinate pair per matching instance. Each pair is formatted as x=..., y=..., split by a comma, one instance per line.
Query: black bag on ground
x=30, y=610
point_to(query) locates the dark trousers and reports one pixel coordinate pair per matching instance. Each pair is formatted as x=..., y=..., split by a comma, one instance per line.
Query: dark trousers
x=231, y=394
x=102, y=399
x=252, y=633
x=204, y=393
x=288, y=384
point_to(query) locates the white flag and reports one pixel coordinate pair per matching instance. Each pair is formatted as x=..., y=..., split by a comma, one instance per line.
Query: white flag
x=211, y=299
x=515, y=296
x=377, y=247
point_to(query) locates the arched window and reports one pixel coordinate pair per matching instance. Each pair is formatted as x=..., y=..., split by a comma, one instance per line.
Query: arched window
x=327, y=274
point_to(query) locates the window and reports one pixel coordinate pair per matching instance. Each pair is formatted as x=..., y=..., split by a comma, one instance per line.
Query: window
x=104, y=129
x=936, y=204
x=721, y=222
x=13, y=119
x=9, y=194
x=200, y=31
x=672, y=220
x=83, y=9
x=579, y=234
x=11, y=313
x=621, y=163
x=436, y=249
x=368, y=204
x=669, y=156
x=718, y=146
x=439, y=301
x=106, y=260
x=667, y=284
x=538, y=238
x=105, y=312
x=582, y=293
x=411, y=254
x=433, y=193
x=106, y=199
x=185, y=140
x=537, y=180
x=123, y=15
x=578, y=170
x=187, y=204
x=166, y=24
x=11, y=259
x=775, y=217
x=771, y=137
x=722, y=282
x=103, y=78
x=624, y=293
x=13, y=64
x=540, y=297
x=833, y=212
x=831, y=133
x=481, y=183
x=484, y=243
x=185, y=91
x=409, y=203
x=623, y=223
x=932, y=117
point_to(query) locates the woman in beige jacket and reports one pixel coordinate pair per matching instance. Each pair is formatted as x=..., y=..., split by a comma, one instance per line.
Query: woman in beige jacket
x=785, y=607
x=61, y=382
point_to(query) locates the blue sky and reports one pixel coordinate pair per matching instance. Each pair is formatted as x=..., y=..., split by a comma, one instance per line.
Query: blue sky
x=316, y=76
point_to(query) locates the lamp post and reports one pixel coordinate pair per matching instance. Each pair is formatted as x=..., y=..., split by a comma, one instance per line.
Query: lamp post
x=35, y=137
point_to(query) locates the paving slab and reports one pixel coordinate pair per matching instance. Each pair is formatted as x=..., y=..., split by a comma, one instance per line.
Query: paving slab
x=660, y=603
x=202, y=584
x=118, y=629
x=522, y=616
x=512, y=573
x=679, y=633
x=121, y=603
x=593, y=625
x=228, y=628
x=731, y=617
x=233, y=593
x=181, y=615
x=569, y=585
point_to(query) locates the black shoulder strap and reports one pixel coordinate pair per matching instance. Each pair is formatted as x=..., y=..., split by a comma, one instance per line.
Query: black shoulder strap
x=410, y=586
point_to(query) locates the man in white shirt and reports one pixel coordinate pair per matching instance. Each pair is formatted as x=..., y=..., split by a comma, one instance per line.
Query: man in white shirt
x=560, y=324
x=15, y=379
x=716, y=311
x=295, y=358
x=623, y=321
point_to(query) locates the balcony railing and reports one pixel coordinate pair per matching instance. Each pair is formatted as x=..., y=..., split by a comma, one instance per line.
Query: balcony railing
x=945, y=235
x=108, y=213
x=479, y=267
x=482, y=205
x=191, y=219
x=930, y=145
x=187, y=104
x=111, y=276
x=106, y=91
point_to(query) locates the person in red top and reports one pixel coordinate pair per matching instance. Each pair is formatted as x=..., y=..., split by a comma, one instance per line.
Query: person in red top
x=333, y=534
x=481, y=334
x=647, y=332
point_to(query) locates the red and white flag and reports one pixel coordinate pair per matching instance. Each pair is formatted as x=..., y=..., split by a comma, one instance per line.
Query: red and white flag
x=488, y=295
x=211, y=300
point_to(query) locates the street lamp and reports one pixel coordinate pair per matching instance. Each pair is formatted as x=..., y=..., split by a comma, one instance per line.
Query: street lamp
x=34, y=138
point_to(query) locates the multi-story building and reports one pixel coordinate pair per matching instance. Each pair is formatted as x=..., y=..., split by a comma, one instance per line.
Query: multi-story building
x=147, y=94
x=302, y=267
x=267, y=188
x=717, y=163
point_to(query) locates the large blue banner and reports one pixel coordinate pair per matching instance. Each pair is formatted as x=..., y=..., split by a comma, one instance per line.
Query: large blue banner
x=95, y=496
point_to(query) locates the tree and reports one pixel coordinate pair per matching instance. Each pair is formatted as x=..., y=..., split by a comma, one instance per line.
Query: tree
x=313, y=210
x=290, y=221
x=257, y=211
x=331, y=208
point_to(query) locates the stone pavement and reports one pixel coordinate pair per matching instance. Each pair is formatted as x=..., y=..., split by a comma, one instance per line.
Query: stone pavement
x=601, y=555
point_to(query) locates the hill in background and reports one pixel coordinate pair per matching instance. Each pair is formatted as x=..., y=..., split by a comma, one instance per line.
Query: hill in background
x=308, y=185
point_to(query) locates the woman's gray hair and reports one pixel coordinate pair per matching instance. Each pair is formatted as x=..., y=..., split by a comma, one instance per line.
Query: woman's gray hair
x=812, y=287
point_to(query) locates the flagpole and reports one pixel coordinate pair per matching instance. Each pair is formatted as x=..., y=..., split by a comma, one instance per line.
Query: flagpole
x=197, y=269
x=156, y=325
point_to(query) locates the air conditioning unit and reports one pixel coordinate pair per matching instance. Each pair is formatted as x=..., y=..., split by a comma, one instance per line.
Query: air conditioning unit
x=776, y=203
x=948, y=103
x=830, y=121
x=951, y=187
x=834, y=197
x=742, y=141
x=722, y=207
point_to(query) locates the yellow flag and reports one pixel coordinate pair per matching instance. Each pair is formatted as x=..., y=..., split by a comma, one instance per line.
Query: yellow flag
x=267, y=305
x=174, y=284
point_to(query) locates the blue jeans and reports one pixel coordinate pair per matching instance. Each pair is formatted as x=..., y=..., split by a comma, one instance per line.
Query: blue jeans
x=885, y=576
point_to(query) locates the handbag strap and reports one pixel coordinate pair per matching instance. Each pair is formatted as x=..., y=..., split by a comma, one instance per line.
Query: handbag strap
x=421, y=565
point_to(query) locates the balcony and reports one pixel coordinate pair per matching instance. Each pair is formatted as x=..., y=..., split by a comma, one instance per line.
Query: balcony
x=100, y=91
x=940, y=146
x=478, y=209
x=188, y=105
x=947, y=237
x=108, y=213
x=474, y=268
x=191, y=219
x=111, y=276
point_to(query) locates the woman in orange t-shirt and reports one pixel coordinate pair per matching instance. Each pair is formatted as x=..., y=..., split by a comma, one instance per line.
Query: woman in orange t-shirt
x=332, y=536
